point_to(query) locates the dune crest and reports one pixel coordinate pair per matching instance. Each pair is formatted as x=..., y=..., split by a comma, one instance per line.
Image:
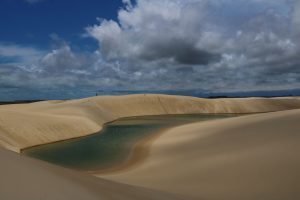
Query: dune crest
x=28, y=125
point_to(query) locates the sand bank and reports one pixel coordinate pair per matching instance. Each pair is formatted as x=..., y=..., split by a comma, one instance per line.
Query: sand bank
x=23, y=178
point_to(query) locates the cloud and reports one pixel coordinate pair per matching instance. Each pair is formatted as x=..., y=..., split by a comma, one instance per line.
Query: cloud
x=59, y=60
x=229, y=42
x=154, y=30
x=20, y=54
x=296, y=18
x=34, y=69
x=212, y=45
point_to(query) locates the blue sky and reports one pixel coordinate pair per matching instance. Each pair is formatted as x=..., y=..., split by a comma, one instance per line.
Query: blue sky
x=70, y=49
x=32, y=23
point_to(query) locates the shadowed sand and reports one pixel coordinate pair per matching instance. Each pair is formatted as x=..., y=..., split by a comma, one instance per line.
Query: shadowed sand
x=28, y=125
x=250, y=157
x=23, y=178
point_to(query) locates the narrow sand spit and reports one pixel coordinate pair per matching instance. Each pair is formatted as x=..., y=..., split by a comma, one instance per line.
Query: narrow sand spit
x=250, y=157
x=27, y=125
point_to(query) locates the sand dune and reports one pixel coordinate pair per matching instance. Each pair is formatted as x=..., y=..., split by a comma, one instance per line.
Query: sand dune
x=27, y=125
x=26, y=179
x=243, y=158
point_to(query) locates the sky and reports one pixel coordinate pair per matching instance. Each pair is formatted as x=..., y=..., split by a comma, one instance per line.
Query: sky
x=58, y=49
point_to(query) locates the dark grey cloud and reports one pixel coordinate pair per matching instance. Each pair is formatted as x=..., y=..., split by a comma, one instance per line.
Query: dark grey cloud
x=180, y=51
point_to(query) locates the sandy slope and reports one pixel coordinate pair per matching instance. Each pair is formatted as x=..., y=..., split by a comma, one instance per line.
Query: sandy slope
x=28, y=125
x=26, y=179
x=246, y=158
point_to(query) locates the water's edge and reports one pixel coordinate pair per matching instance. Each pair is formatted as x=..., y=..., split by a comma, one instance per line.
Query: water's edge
x=118, y=144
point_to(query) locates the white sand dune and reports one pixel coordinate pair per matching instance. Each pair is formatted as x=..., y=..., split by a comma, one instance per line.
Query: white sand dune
x=252, y=157
x=27, y=125
x=22, y=178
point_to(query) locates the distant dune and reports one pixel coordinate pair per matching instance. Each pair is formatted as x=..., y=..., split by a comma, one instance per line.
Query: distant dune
x=252, y=157
x=26, y=125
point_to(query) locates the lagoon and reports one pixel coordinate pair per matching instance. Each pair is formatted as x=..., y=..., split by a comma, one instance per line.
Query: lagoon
x=112, y=145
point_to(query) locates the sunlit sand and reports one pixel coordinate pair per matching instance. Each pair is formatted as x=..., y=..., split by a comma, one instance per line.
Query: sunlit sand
x=246, y=157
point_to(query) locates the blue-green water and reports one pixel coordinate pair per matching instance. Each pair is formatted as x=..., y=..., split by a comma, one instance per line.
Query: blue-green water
x=111, y=146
